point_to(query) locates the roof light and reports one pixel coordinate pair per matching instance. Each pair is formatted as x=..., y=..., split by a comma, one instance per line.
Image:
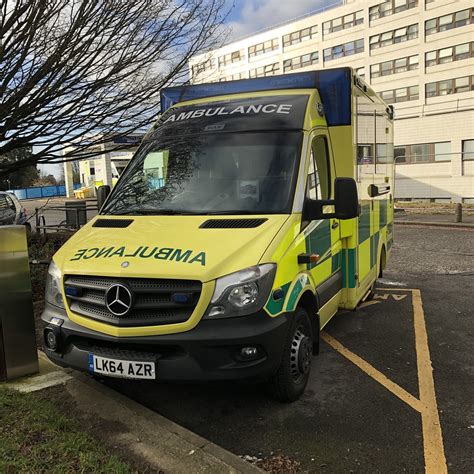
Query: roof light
x=334, y=87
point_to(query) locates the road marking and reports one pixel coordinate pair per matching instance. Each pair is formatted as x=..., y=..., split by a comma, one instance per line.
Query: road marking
x=426, y=405
x=370, y=370
x=367, y=303
x=435, y=460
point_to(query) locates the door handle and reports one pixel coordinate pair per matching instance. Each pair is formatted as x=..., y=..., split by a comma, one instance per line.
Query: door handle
x=335, y=225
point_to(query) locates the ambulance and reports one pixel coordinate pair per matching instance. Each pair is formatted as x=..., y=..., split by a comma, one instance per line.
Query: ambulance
x=250, y=214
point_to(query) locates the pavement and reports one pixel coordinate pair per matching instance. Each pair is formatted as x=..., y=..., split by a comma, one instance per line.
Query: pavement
x=391, y=390
x=133, y=429
x=426, y=218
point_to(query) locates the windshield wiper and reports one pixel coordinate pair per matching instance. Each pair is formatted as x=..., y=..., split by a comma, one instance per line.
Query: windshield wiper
x=156, y=212
x=231, y=212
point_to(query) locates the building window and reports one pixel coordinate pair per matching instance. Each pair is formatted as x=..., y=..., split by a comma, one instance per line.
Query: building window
x=404, y=94
x=230, y=58
x=423, y=153
x=450, y=86
x=268, y=70
x=395, y=66
x=360, y=71
x=300, y=61
x=448, y=22
x=342, y=50
x=202, y=67
x=262, y=48
x=299, y=36
x=468, y=150
x=233, y=77
x=394, y=36
x=390, y=7
x=343, y=22
x=448, y=55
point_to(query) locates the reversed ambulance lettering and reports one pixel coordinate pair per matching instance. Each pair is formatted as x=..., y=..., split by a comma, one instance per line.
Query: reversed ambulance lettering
x=163, y=253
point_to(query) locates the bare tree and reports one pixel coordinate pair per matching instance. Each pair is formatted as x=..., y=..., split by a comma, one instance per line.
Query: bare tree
x=84, y=71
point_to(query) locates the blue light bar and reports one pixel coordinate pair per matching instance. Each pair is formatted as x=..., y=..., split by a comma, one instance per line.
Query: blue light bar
x=334, y=86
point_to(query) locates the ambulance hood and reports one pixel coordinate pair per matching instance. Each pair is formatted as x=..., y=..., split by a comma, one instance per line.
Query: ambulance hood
x=177, y=247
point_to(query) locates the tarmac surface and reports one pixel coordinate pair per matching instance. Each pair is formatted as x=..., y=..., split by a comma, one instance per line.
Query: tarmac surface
x=372, y=403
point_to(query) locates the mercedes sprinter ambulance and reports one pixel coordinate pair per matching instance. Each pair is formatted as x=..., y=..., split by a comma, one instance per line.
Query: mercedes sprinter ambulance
x=252, y=211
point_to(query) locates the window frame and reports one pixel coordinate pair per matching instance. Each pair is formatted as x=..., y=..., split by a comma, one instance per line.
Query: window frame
x=312, y=156
x=260, y=48
x=403, y=94
x=392, y=68
x=391, y=37
x=429, y=153
x=357, y=18
x=229, y=58
x=463, y=153
x=296, y=37
x=339, y=51
x=448, y=22
x=389, y=8
x=292, y=64
x=449, y=85
x=265, y=71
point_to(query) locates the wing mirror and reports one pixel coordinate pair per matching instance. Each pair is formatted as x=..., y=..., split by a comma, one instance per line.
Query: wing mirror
x=345, y=203
x=102, y=194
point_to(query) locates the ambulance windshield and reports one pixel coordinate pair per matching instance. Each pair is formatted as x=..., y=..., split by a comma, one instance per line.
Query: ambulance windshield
x=213, y=173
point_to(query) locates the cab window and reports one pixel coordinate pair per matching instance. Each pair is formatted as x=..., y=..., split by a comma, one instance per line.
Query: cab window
x=318, y=184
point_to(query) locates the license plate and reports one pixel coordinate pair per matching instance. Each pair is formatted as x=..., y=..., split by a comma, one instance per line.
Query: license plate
x=128, y=369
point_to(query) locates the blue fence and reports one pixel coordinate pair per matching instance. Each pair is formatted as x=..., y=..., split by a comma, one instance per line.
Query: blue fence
x=39, y=192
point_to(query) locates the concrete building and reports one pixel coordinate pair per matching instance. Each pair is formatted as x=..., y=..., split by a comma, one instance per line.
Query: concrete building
x=418, y=54
x=105, y=168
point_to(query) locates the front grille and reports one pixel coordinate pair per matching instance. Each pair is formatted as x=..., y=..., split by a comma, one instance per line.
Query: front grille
x=156, y=301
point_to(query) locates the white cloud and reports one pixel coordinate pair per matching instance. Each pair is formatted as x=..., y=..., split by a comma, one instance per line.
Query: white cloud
x=259, y=14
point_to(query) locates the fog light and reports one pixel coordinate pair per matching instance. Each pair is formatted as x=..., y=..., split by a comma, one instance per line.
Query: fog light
x=249, y=353
x=51, y=340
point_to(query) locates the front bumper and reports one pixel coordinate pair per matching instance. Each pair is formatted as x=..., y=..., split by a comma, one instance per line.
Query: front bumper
x=210, y=351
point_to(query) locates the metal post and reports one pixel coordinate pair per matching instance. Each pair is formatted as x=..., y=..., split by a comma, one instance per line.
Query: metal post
x=18, y=353
x=458, y=210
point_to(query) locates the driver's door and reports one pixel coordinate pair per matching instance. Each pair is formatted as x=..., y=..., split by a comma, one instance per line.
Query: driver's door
x=323, y=236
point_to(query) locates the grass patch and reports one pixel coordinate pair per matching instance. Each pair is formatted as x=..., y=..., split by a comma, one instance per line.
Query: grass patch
x=35, y=437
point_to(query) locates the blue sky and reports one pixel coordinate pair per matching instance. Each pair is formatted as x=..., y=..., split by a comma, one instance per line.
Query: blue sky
x=250, y=16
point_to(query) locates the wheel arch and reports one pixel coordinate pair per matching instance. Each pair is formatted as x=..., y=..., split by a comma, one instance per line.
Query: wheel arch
x=308, y=300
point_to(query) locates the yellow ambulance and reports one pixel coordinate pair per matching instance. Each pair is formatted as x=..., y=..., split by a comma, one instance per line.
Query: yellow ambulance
x=252, y=211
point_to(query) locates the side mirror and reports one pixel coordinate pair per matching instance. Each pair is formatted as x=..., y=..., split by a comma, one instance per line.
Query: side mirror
x=102, y=194
x=345, y=202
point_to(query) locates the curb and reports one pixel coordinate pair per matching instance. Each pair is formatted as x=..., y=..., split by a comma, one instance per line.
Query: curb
x=452, y=225
x=157, y=440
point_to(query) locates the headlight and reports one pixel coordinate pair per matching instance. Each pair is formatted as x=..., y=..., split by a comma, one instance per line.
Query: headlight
x=53, y=286
x=241, y=293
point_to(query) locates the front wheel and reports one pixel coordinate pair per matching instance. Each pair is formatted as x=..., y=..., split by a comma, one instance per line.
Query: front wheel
x=289, y=383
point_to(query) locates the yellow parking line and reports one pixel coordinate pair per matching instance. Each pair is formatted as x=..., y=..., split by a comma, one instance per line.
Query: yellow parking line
x=435, y=460
x=370, y=370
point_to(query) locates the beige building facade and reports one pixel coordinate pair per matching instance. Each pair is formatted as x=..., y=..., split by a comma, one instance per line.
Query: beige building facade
x=418, y=54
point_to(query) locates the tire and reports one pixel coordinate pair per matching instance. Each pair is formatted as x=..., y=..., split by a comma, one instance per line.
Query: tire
x=289, y=383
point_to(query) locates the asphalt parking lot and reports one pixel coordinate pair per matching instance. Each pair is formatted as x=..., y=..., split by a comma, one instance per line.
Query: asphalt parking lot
x=372, y=404
x=53, y=211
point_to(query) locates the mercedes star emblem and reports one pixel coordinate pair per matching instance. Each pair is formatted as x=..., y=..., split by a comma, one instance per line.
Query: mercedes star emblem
x=118, y=299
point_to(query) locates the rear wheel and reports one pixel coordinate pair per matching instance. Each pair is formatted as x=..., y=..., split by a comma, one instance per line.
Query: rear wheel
x=289, y=383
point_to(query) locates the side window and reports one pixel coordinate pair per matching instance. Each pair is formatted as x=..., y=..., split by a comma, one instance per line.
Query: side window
x=10, y=203
x=3, y=205
x=319, y=184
